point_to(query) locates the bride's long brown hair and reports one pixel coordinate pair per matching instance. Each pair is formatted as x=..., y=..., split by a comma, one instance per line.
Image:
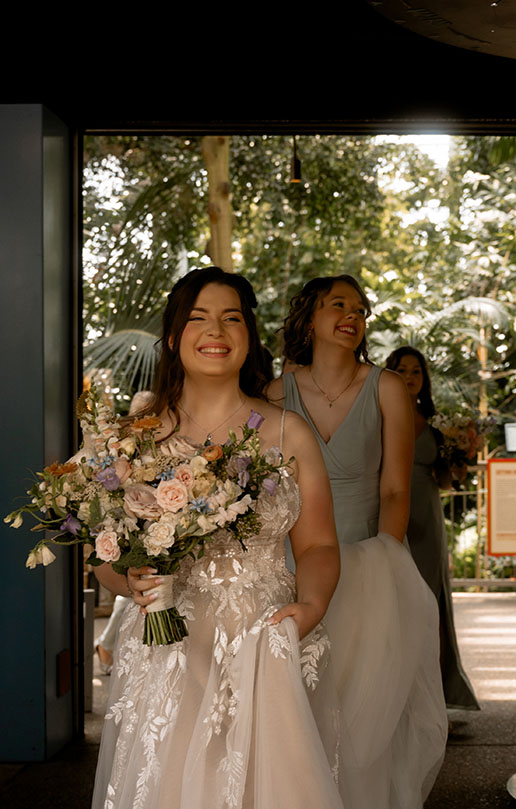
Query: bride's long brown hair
x=169, y=378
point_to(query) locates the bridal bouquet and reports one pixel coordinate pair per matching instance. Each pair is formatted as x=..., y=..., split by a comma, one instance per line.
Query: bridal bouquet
x=463, y=437
x=140, y=502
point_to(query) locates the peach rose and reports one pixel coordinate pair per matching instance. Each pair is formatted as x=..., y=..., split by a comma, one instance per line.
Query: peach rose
x=106, y=546
x=140, y=501
x=185, y=475
x=171, y=495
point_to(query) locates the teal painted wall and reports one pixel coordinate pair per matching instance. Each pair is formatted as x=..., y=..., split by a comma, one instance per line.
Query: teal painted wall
x=36, y=408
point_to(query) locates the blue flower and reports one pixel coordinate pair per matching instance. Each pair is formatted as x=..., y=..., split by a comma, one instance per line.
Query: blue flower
x=200, y=504
x=107, y=461
x=167, y=474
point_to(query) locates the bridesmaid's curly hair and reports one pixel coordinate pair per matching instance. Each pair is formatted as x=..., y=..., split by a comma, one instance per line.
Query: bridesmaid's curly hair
x=296, y=328
x=425, y=401
x=256, y=371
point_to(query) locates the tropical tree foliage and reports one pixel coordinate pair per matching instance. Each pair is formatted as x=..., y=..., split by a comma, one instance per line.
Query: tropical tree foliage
x=433, y=246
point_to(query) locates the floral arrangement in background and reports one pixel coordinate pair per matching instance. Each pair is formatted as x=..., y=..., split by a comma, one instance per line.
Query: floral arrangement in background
x=463, y=437
x=141, y=502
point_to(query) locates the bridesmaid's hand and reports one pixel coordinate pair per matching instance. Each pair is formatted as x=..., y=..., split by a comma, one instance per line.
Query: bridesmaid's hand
x=306, y=616
x=139, y=586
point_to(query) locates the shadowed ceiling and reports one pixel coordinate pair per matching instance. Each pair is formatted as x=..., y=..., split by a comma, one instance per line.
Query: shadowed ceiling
x=487, y=26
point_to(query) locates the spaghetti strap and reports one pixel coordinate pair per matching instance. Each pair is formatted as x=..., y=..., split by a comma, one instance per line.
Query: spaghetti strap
x=282, y=429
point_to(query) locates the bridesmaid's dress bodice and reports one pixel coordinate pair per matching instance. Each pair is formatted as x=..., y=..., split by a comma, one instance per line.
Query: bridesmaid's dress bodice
x=353, y=457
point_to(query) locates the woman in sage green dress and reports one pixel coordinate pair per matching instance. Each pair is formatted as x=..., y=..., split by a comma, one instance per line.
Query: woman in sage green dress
x=383, y=619
x=426, y=530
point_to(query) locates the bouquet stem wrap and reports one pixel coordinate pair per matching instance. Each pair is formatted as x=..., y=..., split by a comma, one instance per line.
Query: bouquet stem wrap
x=163, y=624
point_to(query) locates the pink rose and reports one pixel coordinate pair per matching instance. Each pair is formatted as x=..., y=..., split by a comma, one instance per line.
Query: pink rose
x=185, y=475
x=123, y=469
x=140, y=501
x=106, y=546
x=172, y=495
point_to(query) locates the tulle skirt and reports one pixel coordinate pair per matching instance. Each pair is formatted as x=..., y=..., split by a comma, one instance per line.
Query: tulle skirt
x=384, y=625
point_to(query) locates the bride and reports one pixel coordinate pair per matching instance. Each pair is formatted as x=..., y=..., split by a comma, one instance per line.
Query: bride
x=240, y=714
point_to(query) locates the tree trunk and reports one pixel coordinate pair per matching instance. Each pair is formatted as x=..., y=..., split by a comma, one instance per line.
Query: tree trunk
x=215, y=151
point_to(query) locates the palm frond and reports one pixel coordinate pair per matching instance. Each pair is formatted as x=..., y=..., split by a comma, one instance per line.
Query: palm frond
x=489, y=310
x=130, y=354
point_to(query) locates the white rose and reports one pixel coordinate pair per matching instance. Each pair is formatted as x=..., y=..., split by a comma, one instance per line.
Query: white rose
x=128, y=445
x=160, y=537
x=169, y=518
x=154, y=548
x=162, y=532
x=198, y=465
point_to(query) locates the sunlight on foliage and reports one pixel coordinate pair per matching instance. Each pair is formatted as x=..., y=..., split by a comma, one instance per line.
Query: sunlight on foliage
x=433, y=243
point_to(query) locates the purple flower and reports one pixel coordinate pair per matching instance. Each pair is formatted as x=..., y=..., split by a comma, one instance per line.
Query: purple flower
x=255, y=420
x=269, y=485
x=71, y=525
x=243, y=478
x=243, y=475
x=109, y=478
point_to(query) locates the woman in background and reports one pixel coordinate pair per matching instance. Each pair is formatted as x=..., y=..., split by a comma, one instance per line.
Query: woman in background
x=426, y=530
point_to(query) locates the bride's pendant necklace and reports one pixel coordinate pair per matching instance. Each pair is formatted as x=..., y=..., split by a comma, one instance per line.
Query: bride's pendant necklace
x=209, y=435
x=331, y=402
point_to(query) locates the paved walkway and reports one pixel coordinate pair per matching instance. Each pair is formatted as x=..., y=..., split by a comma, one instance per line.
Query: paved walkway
x=481, y=752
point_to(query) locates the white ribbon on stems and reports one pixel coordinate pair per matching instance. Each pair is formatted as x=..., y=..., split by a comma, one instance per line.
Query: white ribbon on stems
x=164, y=591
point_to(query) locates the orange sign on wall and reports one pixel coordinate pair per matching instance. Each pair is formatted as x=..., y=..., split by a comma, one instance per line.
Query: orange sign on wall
x=501, y=506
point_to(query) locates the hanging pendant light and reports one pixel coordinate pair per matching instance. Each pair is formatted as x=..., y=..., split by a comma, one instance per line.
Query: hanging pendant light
x=295, y=169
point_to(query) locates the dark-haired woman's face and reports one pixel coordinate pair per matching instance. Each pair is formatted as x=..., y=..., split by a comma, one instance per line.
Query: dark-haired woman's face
x=215, y=340
x=339, y=316
x=409, y=369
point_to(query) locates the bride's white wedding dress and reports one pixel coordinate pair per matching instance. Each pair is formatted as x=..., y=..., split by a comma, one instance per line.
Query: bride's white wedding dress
x=239, y=715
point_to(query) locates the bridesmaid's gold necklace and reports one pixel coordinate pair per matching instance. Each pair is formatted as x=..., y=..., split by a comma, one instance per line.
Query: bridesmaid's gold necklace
x=209, y=435
x=331, y=402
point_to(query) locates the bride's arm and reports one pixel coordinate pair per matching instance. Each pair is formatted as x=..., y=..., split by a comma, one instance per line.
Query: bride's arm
x=112, y=581
x=397, y=455
x=313, y=537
